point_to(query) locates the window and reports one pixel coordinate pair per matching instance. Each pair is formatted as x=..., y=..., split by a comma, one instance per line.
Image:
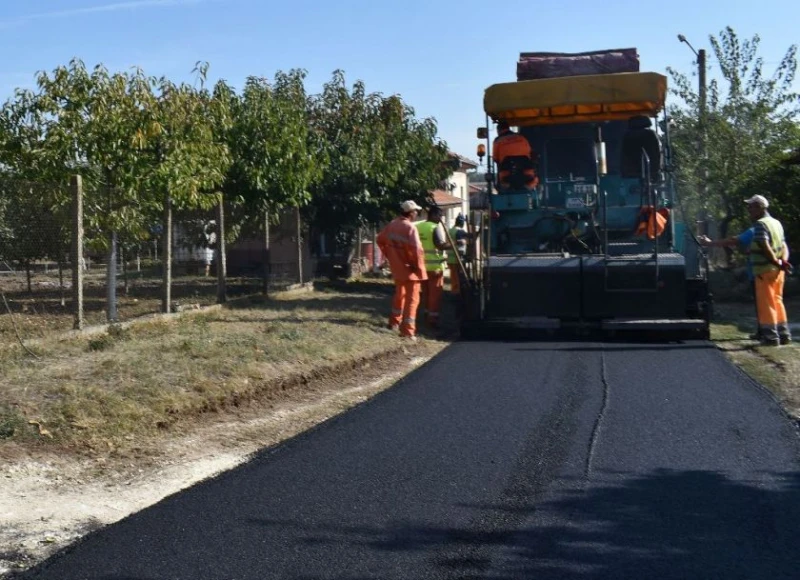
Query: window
x=569, y=156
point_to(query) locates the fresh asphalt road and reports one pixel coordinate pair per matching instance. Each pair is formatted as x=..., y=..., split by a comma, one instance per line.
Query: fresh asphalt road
x=497, y=461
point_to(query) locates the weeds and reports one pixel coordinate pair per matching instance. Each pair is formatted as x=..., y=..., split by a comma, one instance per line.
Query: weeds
x=116, y=333
x=140, y=380
x=11, y=423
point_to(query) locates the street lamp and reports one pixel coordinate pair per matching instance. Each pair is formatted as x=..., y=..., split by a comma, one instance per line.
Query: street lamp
x=701, y=70
x=701, y=73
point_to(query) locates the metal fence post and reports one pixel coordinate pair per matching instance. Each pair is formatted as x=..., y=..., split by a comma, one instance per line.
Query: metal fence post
x=77, y=250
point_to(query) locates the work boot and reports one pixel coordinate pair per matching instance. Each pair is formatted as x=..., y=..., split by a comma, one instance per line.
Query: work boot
x=770, y=342
x=755, y=336
x=786, y=340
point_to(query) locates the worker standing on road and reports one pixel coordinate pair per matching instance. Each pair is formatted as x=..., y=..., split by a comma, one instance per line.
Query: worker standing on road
x=399, y=241
x=768, y=259
x=434, y=241
x=459, y=237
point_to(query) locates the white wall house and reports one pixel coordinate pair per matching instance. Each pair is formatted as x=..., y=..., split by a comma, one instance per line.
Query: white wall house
x=455, y=199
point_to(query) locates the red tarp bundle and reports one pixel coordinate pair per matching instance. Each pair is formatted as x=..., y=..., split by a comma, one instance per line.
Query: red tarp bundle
x=548, y=65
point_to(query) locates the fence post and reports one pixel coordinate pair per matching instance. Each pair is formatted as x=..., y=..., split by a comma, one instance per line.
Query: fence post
x=76, y=185
x=221, y=262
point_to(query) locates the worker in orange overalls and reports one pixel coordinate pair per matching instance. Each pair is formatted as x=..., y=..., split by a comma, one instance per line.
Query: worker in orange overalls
x=434, y=242
x=399, y=241
x=768, y=258
x=509, y=145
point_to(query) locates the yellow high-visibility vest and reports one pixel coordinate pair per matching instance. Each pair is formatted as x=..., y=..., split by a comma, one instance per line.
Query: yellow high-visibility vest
x=757, y=257
x=434, y=258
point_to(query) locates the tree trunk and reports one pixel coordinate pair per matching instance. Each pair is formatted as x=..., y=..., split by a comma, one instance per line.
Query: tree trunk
x=111, y=279
x=61, y=279
x=375, y=266
x=266, y=256
x=166, y=299
x=299, y=247
x=124, y=269
x=220, y=253
x=76, y=253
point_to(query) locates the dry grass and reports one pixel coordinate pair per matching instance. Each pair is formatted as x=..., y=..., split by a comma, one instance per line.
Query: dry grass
x=102, y=391
x=778, y=369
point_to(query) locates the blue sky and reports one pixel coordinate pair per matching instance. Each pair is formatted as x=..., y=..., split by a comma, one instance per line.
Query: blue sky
x=438, y=55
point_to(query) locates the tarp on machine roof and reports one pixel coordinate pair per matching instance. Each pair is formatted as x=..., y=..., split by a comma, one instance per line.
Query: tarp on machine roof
x=576, y=99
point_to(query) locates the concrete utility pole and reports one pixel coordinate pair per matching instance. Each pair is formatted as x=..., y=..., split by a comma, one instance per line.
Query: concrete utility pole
x=702, y=122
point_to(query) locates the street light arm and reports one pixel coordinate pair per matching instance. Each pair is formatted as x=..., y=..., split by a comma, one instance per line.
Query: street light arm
x=682, y=38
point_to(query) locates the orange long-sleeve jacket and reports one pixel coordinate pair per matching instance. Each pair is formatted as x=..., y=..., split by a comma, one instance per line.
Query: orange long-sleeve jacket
x=399, y=242
x=511, y=144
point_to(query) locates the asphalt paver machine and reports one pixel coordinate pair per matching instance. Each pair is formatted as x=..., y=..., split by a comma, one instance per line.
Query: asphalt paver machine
x=595, y=244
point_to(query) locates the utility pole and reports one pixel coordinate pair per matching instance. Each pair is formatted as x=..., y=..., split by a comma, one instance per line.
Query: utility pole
x=702, y=125
x=701, y=65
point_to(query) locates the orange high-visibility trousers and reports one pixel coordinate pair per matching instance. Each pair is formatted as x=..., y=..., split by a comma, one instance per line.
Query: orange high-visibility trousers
x=455, y=281
x=432, y=290
x=772, y=319
x=404, y=306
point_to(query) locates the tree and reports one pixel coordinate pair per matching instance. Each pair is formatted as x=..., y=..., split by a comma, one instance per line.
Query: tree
x=29, y=229
x=274, y=163
x=781, y=182
x=185, y=159
x=36, y=198
x=378, y=154
x=95, y=124
x=751, y=121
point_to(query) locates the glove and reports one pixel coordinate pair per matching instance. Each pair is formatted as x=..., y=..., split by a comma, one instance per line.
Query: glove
x=786, y=266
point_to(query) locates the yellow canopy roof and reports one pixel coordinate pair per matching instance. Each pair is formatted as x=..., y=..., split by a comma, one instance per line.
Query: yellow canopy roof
x=576, y=99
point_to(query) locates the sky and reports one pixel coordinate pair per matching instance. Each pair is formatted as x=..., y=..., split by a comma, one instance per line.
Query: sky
x=439, y=56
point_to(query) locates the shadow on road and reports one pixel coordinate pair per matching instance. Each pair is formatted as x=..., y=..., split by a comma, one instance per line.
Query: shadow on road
x=668, y=524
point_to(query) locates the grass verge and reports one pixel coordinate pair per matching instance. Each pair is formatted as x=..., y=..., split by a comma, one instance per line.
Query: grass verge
x=103, y=392
x=778, y=369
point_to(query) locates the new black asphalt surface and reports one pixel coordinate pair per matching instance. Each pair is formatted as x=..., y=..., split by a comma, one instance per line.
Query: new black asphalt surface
x=497, y=461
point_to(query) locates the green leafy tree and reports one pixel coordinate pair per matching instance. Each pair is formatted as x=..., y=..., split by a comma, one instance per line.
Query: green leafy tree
x=95, y=124
x=37, y=221
x=186, y=161
x=377, y=154
x=274, y=163
x=751, y=121
x=780, y=180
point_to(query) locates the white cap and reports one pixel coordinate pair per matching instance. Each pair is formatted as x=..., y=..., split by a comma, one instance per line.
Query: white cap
x=758, y=200
x=410, y=205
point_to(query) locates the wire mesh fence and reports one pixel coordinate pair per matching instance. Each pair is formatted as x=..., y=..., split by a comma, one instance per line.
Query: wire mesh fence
x=120, y=274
